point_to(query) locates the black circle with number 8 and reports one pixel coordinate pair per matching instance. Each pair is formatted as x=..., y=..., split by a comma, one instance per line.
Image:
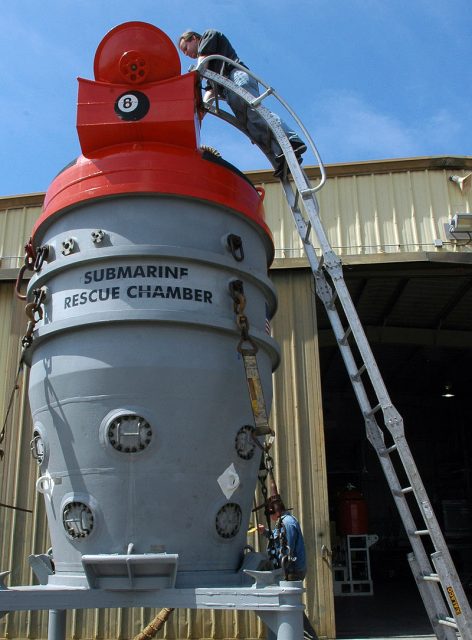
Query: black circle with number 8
x=132, y=105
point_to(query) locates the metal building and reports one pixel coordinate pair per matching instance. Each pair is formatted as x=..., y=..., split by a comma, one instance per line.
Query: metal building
x=411, y=280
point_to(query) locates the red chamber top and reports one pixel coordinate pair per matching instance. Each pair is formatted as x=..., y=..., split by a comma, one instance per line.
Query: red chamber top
x=138, y=124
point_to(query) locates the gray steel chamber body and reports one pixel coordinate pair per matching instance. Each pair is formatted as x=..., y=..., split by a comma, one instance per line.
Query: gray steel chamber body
x=139, y=399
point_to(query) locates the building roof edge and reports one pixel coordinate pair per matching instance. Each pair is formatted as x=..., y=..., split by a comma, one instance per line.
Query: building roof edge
x=367, y=167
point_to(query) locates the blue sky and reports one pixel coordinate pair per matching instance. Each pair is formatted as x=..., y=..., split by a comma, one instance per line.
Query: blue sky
x=370, y=79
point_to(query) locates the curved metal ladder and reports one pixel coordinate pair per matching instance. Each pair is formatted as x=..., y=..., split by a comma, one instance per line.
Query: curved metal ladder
x=440, y=588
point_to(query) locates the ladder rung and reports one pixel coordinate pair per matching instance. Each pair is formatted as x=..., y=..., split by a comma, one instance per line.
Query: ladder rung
x=345, y=337
x=332, y=302
x=387, y=451
x=403, y=491
x=422, y=532
x=307, y=234
x=432, y=577
x=371, y=413
x=257, y=101
x=448, y=622
x=357, y=376
x=307, y=193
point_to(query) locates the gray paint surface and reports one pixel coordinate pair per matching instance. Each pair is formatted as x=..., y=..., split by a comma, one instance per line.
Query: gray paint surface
x=141, y=327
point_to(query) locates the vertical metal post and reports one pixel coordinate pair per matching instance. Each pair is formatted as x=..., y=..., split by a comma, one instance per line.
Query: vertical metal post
x=286, y=622
x=283, y=625
x=57, y=624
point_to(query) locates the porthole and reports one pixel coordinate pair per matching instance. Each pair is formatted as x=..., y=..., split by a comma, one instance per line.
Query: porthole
x=78, y=521
x=228, y=520
x=129, y=433
x=37, y=447
x=244, y=442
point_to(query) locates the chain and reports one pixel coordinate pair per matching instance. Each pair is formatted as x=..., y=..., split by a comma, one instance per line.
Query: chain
x=239, y=306
x=34, y=313
x=15, y=388
x=33, y=261
x=248, y=350
x=264, y=469
x=284, y=551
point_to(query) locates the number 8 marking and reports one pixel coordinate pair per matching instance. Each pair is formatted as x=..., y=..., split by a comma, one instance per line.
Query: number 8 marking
x=128, y=103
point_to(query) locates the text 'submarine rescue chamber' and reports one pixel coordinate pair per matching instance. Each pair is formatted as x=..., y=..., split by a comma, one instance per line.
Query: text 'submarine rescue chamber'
x=143, y=427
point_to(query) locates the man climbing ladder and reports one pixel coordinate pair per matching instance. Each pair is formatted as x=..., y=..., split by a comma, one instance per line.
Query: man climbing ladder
x=197, y=46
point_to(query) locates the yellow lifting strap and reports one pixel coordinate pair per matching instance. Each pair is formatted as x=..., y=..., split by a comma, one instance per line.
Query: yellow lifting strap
x=256, y=396
x=248, y=350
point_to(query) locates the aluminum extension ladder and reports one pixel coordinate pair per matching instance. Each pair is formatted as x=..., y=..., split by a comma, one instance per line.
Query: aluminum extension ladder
x=434, y=571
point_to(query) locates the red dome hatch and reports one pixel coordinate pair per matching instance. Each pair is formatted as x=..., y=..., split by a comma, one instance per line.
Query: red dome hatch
x=136, y=53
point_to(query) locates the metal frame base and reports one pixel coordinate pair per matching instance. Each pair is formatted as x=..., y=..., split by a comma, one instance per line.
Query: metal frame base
x=279, y=606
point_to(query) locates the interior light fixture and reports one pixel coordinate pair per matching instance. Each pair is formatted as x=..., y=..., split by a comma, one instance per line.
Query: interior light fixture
x=447, y=391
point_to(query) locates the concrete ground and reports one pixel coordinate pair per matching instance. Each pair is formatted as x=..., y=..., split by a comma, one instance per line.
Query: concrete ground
x=394, y=611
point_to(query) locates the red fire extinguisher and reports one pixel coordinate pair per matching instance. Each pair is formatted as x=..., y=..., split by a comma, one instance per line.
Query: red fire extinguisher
x=352, y=512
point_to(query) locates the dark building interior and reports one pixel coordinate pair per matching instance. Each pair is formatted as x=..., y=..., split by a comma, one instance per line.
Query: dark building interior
x=418, y=319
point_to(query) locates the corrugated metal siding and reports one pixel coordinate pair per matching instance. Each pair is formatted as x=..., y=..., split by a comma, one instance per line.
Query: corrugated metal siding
x=393, y=212
x=16, y=223
x=298, y=421
x=389, y=212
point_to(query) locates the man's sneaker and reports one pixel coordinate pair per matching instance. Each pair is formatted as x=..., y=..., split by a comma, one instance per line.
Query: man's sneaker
x=281, y=166
x=298, y=147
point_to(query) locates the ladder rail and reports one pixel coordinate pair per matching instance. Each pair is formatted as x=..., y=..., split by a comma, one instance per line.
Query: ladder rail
x=201, y=68
x=311, y=205
x=333, y=264
x=430, y=603
x=376, y=438
x=452, y=594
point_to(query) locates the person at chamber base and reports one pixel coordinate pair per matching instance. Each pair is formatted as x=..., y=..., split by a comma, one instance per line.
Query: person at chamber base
x=287, y=548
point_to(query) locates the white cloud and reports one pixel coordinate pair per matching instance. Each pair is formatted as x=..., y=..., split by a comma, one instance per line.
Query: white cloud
x=348, y=128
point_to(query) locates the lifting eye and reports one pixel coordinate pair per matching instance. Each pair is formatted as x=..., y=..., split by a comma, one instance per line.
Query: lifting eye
x=235, y=246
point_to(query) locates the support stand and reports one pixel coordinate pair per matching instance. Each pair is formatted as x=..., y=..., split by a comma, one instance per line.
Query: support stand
x=279, y=605
x=283, y=625
x=57, y=624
